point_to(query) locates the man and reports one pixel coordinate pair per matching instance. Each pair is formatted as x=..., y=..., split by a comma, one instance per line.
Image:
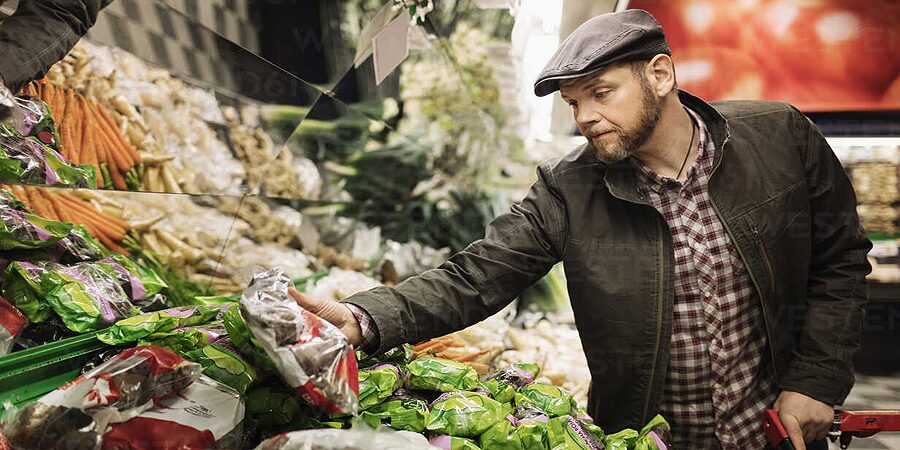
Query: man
x=36, y=36
x=715, y=260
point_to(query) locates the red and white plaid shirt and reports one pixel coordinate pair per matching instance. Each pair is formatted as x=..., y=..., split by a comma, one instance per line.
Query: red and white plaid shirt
x=718, y=380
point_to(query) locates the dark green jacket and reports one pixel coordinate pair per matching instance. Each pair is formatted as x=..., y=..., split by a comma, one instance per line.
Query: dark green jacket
x=785, y=201
x=40, y=33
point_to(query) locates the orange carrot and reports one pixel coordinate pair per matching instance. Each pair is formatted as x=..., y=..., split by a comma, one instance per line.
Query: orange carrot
x=48, y=198
x=128, y=152
x=89, y=152
x=79, y=204
x=40, y=205
x=68, y=138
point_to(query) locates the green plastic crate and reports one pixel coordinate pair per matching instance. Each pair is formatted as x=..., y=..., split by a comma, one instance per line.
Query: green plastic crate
x=27, y=375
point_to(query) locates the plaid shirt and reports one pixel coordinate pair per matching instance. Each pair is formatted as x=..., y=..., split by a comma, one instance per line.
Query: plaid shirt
x=718, y=380
x=367, y=327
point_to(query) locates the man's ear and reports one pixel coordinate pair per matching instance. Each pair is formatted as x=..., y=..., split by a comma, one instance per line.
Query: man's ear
x=661, y=73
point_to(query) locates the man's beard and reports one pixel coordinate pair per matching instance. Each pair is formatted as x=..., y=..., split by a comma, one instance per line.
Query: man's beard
x=629, y=143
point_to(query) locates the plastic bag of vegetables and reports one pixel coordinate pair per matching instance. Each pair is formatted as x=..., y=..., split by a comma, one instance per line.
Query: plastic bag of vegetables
x=21, y=230
x=402, y=411
x=22, y=287
x=569, y=433
x=311, y=355
x=466, y=414
x=224, y=365
x=444, y=375
x=551, y=399
x=377, y=383
x=143, y=325
x=86, y=296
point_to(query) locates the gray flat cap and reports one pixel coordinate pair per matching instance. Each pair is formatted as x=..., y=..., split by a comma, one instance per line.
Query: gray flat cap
x=628, y=35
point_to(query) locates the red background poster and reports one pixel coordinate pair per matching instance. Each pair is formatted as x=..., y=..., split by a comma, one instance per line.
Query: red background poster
x=820, y=55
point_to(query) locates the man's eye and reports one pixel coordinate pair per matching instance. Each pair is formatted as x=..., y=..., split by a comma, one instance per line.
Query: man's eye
x=601, y=94
x=573, y=105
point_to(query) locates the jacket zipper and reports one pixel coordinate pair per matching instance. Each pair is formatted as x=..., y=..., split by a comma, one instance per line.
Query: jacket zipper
x=659, y=312
x=765, y=255
x=762, y=302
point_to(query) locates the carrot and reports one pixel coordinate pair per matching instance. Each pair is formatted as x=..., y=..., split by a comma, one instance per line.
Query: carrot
x=97, y=225
x=40, y=205
x=76, y=203
x=29, y=90
x=117, y=156
x=128, y=152
x=48, y=198
x=79, y=118
x=89, y=151
x=60, y=106
x=68, y=138
x=471, y=356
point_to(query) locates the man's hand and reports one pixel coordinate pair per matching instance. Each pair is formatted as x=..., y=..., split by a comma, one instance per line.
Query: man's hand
x=804, y=418
x=335, y=312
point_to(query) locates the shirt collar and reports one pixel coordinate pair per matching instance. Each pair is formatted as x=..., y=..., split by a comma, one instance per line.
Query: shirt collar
x=656, y=182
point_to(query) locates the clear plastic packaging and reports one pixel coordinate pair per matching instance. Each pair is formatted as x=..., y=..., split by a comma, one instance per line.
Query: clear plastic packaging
x=312, y=355
x=76, y=415
x=11, y=324
x=205, y=415
x=86, y=296
x=356, y=439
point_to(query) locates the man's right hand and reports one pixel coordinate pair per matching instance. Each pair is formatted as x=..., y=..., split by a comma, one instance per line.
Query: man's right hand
x=9, y=108
x=335, y=312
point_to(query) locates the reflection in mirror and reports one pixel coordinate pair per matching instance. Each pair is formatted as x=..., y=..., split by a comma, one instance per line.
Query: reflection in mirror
x=116, y=120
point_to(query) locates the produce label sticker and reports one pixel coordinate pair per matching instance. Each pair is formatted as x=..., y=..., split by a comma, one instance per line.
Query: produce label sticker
x=391, y=46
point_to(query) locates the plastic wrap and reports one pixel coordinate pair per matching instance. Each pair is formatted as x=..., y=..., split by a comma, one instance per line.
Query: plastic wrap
x=75, y=415
x=77, y=246
x=86, y=296
x=377, y=383
x=22, y=287
x=568, y=433
x=465, y=414
x=550, y=399
x=11, y=324
x=312, y=355
x=656, y=435
x=32, y=162
x=402, y=411
x=185, y=339
x=400, y=356
x=222, y=363
x=138, y=281
x=501, y=385
x=143, y=325
x=20, y=230
x=501, y=436
x=207, y=414
x=346, y=440
x=272, y=407
x=243, y=340
x=623, y=440
x=444, y=375
x=445, y=442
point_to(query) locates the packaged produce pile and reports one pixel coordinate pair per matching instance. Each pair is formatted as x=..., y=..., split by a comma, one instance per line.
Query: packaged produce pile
x=266, y=372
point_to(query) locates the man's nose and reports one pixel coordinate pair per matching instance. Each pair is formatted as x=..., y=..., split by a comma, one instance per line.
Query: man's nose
x=585, y=118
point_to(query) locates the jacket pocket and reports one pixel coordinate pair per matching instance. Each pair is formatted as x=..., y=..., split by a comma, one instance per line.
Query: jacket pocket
x=764, y=254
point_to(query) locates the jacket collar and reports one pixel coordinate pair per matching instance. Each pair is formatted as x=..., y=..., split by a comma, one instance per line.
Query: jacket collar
x=621, y=178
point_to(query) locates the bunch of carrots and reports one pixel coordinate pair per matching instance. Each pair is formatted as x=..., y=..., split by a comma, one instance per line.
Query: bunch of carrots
x=89, y=135
x=62, y=207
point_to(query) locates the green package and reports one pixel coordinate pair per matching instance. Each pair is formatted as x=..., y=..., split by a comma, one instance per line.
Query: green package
x=271, y=407
x=569, y=433
x=141, y=326
x=224, y=365
x=501, y=436
x=498, y=390
x=244, y=340
x=20, y=230
x=141, y=282
x=444, y=375
x=22, y=287
x=532, y=433
x=465, y=414
x=548, y=398
x=623, y=440
x=185, y=339
x=655, y=435
x=402, y=411
x=78, y=246
x=86, y=296
x=377, y=384
x=216, y=299
x=453, y=443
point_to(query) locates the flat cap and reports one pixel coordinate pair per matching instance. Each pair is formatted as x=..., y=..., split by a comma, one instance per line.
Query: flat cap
x=627, y=35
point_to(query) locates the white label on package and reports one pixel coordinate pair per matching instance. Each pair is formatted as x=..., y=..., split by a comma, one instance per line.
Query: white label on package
x=391, y=46
x=204, y=405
